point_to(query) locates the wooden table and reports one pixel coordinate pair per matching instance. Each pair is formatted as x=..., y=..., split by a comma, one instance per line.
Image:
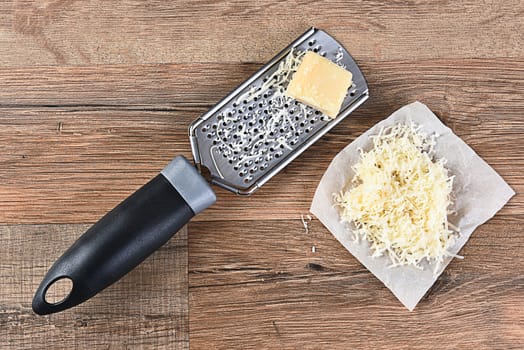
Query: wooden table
x=96, y=97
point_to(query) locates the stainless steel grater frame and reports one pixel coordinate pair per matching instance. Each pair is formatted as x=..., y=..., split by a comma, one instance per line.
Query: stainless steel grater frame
x=216, y=134
x=243, y=141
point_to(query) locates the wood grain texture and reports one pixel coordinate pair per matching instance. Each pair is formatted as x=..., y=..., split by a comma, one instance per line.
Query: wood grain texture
x=96, y=97
x=144, y=310
x=78, y=140
x=43, y=32
x=262, y=287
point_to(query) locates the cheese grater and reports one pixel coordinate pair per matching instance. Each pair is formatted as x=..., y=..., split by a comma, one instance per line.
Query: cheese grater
x=214, y=136
x=241, y=143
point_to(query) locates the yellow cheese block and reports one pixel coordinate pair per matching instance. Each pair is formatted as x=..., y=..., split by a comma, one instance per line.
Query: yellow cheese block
x=320, y=83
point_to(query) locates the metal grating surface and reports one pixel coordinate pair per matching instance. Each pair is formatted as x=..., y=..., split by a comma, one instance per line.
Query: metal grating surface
x=254, y=132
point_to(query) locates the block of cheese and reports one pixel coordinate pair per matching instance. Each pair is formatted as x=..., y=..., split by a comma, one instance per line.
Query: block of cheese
x=320, y=83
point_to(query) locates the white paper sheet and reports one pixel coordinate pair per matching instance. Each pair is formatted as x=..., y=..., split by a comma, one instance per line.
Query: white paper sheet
x=479, y=193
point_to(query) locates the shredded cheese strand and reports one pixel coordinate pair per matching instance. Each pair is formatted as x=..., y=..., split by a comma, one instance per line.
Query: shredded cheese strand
x=278, y=103
x=399, y=198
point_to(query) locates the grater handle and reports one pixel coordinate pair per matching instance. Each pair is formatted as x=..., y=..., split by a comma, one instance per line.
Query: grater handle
x=127, y=235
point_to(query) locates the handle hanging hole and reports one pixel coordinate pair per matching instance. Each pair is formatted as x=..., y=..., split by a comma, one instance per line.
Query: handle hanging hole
x=58, y=291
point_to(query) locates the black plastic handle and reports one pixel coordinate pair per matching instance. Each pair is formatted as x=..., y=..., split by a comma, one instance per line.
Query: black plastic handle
x=126, y=235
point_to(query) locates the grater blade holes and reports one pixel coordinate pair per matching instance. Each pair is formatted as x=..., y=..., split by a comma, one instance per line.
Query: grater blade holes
x=261, y=127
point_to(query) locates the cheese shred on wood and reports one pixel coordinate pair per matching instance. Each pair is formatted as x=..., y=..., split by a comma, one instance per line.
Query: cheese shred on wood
x=399, y=198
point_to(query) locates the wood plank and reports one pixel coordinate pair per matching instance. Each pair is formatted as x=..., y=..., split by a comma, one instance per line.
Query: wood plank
x=36, y=32
x=260, y=286
x=147, y=309
x=77, y=140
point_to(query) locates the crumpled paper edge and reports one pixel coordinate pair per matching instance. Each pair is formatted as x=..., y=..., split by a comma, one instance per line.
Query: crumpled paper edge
x=407, y=283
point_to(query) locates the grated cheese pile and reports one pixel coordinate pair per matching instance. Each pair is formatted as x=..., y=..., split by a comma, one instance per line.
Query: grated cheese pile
x=399, y=198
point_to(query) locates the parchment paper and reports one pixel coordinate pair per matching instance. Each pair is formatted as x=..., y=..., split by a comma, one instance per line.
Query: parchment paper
x=479, y=193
